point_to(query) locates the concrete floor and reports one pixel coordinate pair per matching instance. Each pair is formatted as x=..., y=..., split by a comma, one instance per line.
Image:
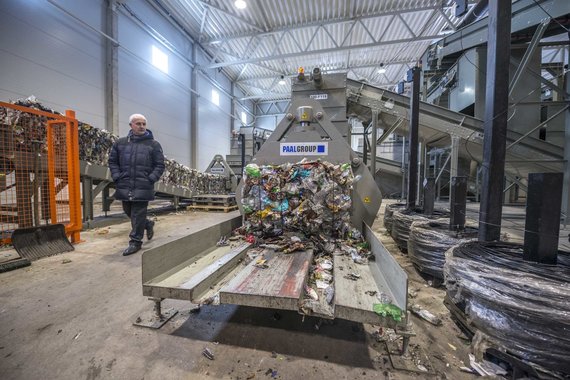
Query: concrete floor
x=74, y=320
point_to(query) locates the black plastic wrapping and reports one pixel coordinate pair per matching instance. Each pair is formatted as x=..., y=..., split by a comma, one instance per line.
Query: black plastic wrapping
x=389, y=212
x=430, y=239
x=403, y=219
x=518, y=306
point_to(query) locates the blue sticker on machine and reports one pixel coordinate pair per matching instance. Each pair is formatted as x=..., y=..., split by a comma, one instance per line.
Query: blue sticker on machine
x=304, y=149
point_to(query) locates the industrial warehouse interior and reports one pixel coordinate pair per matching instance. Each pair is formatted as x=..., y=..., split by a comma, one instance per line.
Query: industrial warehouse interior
x=336, y=189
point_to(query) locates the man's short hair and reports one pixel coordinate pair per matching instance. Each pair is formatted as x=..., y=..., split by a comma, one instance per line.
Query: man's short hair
x=136, y=116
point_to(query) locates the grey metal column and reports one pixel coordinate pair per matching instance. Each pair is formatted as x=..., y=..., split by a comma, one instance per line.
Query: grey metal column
x=365, y=147
x=232, y=107
x=496, y=107
x=458, y=203
x=111, y=69
x=542, y=226
x=455, y=140
x=566, y=189
x=373, y=145
x=529, y=53
x=194, y=110
x=429, y=195
x=413, y=137
x=403, y=168
x=87, y=187
x=421, y=171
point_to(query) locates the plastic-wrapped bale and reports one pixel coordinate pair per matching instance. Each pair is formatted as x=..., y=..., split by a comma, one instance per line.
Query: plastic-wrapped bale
x=403, y=219
x=28, y=130
x=389, y=214
x=29, y=133
x=310, y=196
x=429, y=240
x=517, y=307
x=191, y=179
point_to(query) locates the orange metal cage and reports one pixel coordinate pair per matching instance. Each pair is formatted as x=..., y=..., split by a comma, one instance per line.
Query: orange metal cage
x=39, y=170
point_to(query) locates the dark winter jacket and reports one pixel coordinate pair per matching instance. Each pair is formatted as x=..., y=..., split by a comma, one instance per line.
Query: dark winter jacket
x=136, y=163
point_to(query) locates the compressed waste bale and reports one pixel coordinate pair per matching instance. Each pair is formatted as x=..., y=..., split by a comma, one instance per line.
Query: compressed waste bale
x=310, y=196
x=389, y=214
x=517, y=306
x=403, y=219
x=430, y=239
x=94, y=144
x=29, y=133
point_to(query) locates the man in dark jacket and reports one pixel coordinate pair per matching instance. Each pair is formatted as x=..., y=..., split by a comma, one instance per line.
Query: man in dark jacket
x=136, y=163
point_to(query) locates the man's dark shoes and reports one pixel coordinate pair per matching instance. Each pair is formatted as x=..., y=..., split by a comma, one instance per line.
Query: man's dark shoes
x=132, y=248
x=150, y=230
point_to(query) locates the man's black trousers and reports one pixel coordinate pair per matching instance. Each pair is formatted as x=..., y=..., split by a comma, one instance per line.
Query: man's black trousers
x=136, y=210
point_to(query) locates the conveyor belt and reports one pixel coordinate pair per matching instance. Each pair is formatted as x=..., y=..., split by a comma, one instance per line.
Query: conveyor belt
x=437, y=124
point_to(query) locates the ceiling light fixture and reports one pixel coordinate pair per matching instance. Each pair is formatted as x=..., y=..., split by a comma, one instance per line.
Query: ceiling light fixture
x=240, y=4
x=381, y=70
x=282, y=80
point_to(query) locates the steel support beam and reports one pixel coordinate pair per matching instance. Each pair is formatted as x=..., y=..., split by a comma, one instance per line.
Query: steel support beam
x=87, y=190
x=429, y=195
x=566, y=189
x=232, y=108
x=365, y=146
x=373, y=144
x=442, y=169
x=525, y=14
x=542, y=225
x=413, y=137
x=403, y=168
x=529, y=53
x=194, y=110
x=455, y=140
x=545, y=122
x=389, y=131
x=495, y=125
x=457, y=203
x=111, y=69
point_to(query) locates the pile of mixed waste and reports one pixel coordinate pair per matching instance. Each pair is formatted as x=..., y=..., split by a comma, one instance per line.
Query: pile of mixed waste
x=299, y=207
x=29, y=135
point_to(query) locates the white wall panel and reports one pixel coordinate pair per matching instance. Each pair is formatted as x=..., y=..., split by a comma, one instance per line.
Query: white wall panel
x=213, y=125
x=46, y=53
x=50, y=54
x=163, y=98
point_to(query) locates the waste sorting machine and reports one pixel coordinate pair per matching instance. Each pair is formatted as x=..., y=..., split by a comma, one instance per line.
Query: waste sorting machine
x=303, y=242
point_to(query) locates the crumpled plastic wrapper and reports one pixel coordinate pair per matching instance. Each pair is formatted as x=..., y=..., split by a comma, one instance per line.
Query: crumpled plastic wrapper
x=29, y=133
x=430, y=239
x=518, y=306
x=403, y=219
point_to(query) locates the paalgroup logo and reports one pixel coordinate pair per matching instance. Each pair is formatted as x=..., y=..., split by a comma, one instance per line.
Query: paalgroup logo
x=304, y=149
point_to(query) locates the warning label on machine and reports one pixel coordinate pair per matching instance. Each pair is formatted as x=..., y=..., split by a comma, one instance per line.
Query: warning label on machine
x=304, y=149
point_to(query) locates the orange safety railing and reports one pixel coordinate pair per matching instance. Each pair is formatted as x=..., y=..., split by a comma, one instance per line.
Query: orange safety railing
x=39, y=170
